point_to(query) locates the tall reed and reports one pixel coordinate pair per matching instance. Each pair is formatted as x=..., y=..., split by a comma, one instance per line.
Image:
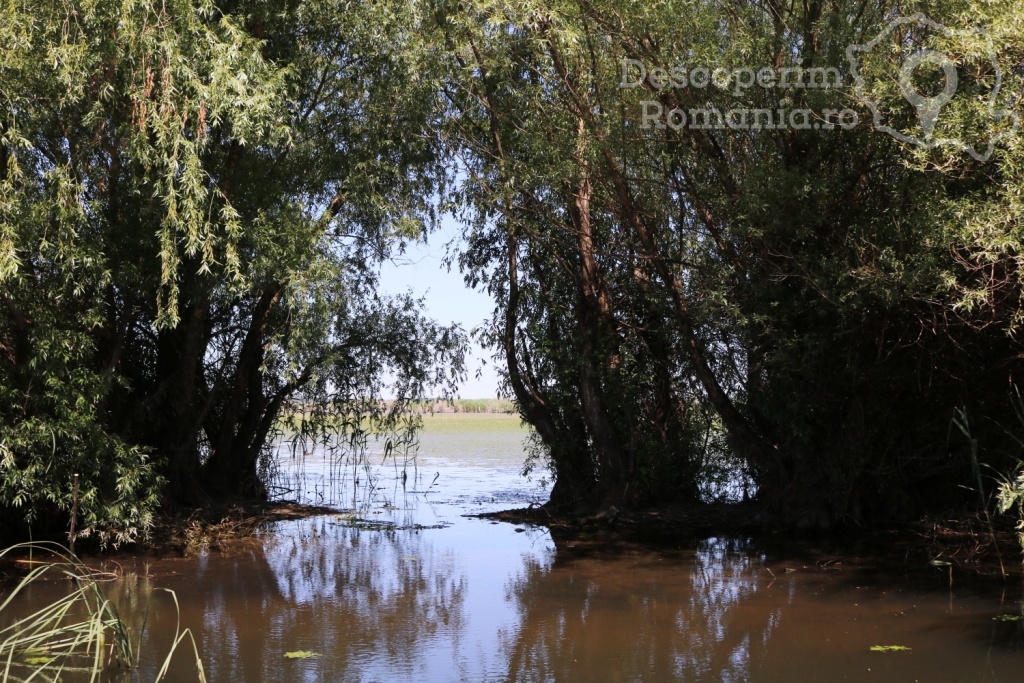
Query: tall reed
x=79, y=636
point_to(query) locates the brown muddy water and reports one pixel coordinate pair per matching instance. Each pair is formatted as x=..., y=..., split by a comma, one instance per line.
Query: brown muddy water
x=400, y=585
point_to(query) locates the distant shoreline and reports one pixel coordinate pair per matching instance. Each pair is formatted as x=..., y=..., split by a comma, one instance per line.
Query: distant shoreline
x=466, y=405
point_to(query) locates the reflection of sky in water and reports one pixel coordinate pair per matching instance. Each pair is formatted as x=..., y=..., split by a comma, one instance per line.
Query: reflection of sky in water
x=403, y=604
x=402, y=587
x=399, y=586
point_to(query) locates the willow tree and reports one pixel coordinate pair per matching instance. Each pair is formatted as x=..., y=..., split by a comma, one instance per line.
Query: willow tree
x=687, y=238
x=193, y=201
x=582, y=319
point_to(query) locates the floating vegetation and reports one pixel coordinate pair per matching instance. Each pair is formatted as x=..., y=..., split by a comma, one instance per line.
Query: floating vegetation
x=890, y=648
x=302, y=654
x=364, y=524
x=1008, y=617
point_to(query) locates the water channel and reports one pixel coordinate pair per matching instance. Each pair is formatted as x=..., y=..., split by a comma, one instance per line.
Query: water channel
x=401, y=585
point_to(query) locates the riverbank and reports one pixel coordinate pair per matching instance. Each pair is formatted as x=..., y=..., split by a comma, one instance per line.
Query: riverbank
x=484, y=443
x=960, y=545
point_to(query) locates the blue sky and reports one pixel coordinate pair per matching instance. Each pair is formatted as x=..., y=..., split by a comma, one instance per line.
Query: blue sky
x=448, y=300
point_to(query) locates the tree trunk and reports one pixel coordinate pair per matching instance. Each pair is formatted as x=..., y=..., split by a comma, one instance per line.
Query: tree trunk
x=231, y=468
x=744, y=438
x=573, y=470
x=171, y=417
x=597, y=330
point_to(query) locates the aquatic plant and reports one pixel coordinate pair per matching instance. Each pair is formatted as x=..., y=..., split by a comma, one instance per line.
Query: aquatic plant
x=80, y=633
x=1010, y=495
x=963, y=424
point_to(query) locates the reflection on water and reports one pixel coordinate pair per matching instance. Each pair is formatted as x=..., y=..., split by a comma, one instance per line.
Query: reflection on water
x=400, y=586
x=641, y=616
x=374, y=604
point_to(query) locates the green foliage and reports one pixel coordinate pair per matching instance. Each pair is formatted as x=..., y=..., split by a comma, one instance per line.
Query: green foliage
x=1010, y=498
x=482, y=405
x=580, y=319
x=193, y=203
x=815, y=296
x=194, y=200
x=1010, y=492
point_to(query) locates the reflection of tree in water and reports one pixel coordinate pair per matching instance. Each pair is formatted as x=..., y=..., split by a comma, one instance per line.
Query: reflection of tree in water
x=386, y=589
x=372, y=602
x=631, y=617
